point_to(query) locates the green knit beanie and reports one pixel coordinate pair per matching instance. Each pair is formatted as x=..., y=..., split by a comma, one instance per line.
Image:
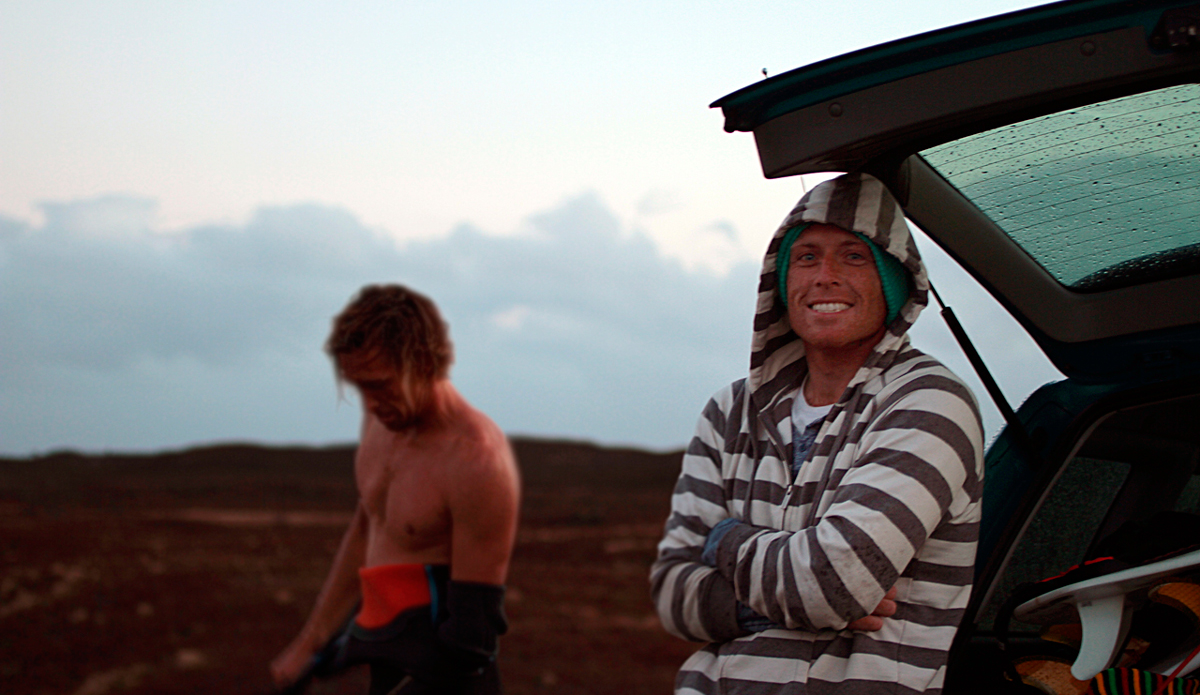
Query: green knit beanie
x=893, y=277
x=784, y=256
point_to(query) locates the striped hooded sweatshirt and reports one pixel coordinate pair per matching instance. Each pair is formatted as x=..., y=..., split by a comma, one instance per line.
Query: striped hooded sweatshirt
x=888, y=496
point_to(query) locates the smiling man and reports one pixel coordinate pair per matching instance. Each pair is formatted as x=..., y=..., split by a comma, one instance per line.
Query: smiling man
x=427, y=553
x=822, y=533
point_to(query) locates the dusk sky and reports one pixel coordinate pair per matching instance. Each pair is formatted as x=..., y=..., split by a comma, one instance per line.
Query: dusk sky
x=189, y=191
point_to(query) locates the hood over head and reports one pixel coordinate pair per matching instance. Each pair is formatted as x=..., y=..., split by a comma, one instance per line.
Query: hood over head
x=857, y=203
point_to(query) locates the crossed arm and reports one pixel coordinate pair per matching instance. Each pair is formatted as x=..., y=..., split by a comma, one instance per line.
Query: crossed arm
x=840, y=573
x=751, y=621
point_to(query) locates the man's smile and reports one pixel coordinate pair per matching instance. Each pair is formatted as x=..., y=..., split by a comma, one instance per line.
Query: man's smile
x=829, y=307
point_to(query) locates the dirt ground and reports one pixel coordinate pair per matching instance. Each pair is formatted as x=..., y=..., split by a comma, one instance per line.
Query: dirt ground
x=187, y=572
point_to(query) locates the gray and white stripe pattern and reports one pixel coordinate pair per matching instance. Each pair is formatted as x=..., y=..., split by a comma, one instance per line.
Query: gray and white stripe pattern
x=889, y=496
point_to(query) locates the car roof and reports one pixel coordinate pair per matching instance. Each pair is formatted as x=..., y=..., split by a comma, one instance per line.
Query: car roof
x=1051, y=151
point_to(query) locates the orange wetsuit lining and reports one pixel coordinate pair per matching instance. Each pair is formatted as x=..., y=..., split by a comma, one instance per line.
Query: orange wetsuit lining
x=389, y=590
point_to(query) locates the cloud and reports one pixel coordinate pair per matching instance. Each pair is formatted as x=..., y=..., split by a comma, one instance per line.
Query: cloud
x=658, y=201
x=120, y=337
x=84, y=296
x=111, y=215
x=513, y=318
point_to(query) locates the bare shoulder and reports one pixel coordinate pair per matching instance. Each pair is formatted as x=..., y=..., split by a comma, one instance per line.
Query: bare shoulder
x=482, y=484
x=481, y=449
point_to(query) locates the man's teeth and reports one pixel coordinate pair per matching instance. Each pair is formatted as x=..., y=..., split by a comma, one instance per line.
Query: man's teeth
x=829, y=307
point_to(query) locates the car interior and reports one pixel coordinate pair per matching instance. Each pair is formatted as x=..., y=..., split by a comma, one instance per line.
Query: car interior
x=1125, y=477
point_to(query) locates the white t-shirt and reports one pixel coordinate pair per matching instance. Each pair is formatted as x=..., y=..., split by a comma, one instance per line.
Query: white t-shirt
x=803, y=413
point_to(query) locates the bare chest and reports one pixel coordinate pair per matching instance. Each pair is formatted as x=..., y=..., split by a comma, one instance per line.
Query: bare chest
x=401, y=490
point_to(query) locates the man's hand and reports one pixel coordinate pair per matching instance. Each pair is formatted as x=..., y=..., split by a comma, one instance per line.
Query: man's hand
x=290, y=665
x=874, y=621
x=715, y=534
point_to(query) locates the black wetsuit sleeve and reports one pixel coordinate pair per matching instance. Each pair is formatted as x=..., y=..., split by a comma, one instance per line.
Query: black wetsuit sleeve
x=474, y=620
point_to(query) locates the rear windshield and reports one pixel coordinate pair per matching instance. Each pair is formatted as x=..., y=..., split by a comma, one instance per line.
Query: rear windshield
x=1102, y=197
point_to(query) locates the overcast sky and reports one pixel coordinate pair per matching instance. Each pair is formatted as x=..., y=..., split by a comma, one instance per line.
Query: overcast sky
x=189, y=191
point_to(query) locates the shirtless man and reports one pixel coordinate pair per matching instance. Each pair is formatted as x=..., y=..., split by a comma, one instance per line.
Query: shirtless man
x=428, y=549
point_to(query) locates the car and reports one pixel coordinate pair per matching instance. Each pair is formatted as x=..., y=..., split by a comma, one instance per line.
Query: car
x=1054, y=153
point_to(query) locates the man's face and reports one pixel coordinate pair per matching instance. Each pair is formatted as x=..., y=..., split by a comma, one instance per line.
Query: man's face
x=395, y=400
x=835, y=299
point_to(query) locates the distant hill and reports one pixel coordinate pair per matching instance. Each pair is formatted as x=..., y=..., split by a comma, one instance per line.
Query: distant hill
x=284, y=477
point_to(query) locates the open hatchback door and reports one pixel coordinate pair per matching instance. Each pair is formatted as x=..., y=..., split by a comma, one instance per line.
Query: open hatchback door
x=1055, y=154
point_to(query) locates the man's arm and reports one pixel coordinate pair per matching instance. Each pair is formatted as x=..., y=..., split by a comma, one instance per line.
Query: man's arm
x=692, y=599
x=484, y=499
x=335, y=601
x=920, y=464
